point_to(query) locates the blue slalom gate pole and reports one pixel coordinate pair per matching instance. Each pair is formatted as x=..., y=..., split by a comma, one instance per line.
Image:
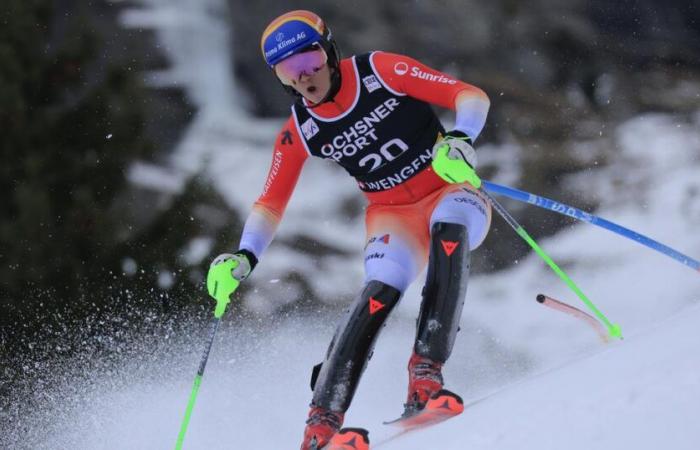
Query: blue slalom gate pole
x=578, y=214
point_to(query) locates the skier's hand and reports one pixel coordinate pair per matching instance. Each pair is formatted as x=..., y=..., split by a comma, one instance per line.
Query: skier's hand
x=242, y=263
x=454, y=159
x=225, y=274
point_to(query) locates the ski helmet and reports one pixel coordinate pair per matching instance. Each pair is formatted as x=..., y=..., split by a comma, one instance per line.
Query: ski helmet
x=294, y=32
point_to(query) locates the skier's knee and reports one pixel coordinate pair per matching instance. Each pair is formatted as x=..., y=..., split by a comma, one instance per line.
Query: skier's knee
x=466, y=208
x=397, y=274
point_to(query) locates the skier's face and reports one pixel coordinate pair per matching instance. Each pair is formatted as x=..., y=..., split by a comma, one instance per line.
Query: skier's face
x=307, y=73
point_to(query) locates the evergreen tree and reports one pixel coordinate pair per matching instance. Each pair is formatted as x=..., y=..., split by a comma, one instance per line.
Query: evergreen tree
x=70, y=127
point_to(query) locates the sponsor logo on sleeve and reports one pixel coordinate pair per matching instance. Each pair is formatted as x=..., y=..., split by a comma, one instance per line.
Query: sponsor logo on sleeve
x=274, y=170
x=434, y=77
x=401, y=68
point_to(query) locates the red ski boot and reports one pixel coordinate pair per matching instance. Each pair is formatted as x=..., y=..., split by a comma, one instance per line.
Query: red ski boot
x=424, y=379
x=321, y=425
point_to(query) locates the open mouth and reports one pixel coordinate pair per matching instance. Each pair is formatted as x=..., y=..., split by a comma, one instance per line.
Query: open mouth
x=311, y=89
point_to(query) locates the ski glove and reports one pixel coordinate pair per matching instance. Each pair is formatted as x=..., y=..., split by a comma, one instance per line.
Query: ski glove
x=454, y=159
x=225, y=274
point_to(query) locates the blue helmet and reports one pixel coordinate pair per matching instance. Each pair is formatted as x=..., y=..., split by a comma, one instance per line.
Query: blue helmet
x=295, y=31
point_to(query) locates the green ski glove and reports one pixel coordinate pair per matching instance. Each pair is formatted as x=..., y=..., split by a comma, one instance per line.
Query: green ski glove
x=225, y=275
x=454, y=159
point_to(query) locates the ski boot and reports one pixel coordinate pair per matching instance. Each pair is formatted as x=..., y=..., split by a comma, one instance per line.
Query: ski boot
x=321, y=425
x=424, y=380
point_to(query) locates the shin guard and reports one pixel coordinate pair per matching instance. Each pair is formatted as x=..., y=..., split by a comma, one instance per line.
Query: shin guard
x=444, y=291
x=335, y=381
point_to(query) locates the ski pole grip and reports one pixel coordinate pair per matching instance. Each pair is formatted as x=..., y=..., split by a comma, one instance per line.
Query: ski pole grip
x=221, y=284
x=454, y=170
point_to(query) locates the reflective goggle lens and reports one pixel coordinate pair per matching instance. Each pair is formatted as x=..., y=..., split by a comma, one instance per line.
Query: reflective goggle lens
x=304, y=63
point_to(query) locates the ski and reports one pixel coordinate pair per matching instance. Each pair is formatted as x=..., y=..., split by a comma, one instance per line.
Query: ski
x=442, y=405
x=349, y=439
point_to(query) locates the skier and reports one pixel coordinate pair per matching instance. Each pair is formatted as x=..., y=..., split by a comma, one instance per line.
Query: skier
x=371, y=114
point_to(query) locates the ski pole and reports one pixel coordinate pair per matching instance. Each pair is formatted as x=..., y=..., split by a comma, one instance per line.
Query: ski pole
x=613, y=330
x=456, y=170
x=220, y=285
x=578, y=214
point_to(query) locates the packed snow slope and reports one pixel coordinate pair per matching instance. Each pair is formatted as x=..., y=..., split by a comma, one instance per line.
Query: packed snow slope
x=638, y=394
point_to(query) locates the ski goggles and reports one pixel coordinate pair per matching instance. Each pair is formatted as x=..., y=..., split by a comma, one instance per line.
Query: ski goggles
x=307, y=62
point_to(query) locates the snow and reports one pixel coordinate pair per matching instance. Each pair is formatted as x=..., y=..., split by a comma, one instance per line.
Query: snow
x=638, y=394
x=532, y=378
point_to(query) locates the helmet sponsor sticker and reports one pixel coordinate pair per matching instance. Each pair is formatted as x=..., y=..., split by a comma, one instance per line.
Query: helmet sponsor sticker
x=283, y=43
